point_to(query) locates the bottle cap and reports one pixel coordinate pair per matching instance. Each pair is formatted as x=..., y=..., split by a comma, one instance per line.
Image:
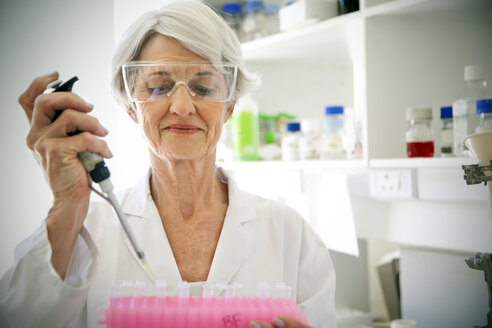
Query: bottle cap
x=293, y=126
x=419, y=113
x=446, y=112
x=484, y=106
x=333, y=110
x=254, y=5
x=271, y=8
x=474, y=73
x=310, y=125
x=231, y=8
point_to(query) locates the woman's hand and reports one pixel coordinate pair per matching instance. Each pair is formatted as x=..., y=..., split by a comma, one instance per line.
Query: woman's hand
x=278, y=322
x=56, y=152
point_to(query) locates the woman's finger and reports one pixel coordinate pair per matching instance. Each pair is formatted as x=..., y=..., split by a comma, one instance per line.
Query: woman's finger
x=286, y=322
x=36, y=88
x=71, y=121
x=47, y=105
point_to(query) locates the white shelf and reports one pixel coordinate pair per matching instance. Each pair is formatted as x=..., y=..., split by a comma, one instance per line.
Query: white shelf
x=305, y=42
x=421, y=162
x=295, y=165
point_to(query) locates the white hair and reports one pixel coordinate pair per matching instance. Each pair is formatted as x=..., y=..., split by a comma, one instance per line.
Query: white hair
x=197, y=27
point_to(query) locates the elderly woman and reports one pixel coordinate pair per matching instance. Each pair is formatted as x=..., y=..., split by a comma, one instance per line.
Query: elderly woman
x=178, y=72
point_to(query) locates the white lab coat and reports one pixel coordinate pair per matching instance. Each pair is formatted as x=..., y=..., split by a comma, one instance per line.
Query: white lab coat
x=261, y=241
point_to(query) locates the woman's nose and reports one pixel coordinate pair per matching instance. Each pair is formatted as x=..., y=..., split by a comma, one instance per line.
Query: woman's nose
x=181, y=102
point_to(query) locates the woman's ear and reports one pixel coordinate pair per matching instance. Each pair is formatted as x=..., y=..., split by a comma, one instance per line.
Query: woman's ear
x=229, y=111
x=133, y=114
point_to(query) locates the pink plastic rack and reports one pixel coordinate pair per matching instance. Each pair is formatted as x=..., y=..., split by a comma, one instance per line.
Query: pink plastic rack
x=191, y=312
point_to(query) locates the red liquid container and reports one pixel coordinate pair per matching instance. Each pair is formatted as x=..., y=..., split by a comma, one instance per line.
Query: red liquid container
x=420, y=149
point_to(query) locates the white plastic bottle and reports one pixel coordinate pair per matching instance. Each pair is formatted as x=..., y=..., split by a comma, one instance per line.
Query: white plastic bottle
x=310, y=141
x=465, y=118
x=333, y=135
x=290, y=142
x=484, y=109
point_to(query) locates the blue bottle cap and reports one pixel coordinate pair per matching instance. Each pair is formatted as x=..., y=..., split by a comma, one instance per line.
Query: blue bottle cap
x=293, y=126
x=484, y=106
x=446, y=112
x=271, y=8
x=333, y=110
x=231, y=8
x=254, y=5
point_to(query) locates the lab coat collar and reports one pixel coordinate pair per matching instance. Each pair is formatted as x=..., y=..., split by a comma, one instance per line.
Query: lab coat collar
x=136, y=201
x=234, y=245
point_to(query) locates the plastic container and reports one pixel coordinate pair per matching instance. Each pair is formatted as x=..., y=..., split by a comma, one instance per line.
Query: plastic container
x=290, y=142
x=419, y=133
x=464, y=110
x=271, y=25
x=484, y=109
x=232, y=15
x=207, y=311
x=253, y=21
x=310, y=141
x=447, y=131
x=332, y=141
x=246, y=130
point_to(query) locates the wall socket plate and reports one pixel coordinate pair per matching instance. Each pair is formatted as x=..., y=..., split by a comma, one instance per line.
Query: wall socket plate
x=392, y=184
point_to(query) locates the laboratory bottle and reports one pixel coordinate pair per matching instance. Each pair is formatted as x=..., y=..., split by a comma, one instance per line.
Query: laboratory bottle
x=246, y=129
x=272, y=24
x=447, y=132
x=253, y=21
x=332, y=141
x=310, y=141
x=290, y=142
x=484, y=109
x=419, y=133
x=232, y=16
x=465, y=118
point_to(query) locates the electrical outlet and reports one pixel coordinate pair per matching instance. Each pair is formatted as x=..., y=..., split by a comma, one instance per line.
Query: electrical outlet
x=392, y=184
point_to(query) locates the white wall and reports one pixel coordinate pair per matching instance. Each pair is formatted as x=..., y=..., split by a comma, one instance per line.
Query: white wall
x=73, y=37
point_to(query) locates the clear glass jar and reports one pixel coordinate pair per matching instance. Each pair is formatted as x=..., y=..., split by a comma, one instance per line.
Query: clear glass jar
x=272, y=24
x=332, y=141
x=447, y=132
x=464, y=110
x=232, y=15
x=290, y=142
x=419, y=133
x=253, y=21
x=484, y=109
x=246, y=129
x=310, y=142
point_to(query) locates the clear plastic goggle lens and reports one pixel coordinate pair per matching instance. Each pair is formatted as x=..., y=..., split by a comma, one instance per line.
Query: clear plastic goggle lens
x=156, y=81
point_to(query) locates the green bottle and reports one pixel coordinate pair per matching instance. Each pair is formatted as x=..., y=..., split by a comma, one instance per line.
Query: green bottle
x=246, y=130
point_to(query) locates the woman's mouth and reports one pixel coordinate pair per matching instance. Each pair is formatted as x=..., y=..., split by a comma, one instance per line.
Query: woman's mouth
x=182, y=128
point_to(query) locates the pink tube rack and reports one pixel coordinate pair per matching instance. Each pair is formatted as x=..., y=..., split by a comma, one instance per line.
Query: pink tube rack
x=190, y=312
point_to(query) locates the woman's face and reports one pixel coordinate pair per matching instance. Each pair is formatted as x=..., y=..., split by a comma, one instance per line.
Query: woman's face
x=179, y=127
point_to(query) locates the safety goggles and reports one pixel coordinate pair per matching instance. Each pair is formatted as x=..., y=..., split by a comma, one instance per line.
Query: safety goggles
x=152, y=81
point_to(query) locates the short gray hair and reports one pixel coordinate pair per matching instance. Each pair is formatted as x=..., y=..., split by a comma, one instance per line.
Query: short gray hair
x=197, y=27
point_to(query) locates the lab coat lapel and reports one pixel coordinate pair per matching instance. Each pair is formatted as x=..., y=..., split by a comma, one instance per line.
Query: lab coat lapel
x=235, y=242
x=144, y=220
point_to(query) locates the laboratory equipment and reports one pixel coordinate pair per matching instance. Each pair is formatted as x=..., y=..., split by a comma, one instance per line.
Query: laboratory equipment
x=207, y=311
x=253, y=20
x=332, y=142
x=310, y=141
x=484, y=109
x=347, y=6
x=246, y=129
x=232, y=16
x=290, y=142
x=447, y=131
x=272, y=24
x=419, y=133
x=479, y=145
x=464, y=110
x=96, y=167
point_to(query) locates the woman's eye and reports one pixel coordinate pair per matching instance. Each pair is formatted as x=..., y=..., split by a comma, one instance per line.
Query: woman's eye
x=160, y=90
x=202, y=91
